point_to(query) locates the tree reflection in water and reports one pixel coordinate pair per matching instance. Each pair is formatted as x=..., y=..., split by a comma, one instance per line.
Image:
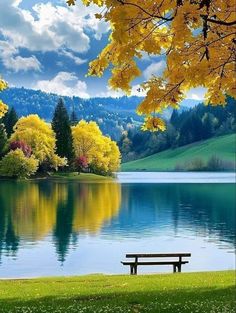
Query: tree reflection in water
x=31, y=211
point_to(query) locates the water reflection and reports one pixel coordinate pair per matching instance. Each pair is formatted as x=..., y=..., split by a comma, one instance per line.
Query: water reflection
x=60, y=216
x=206, y=209
x=31, y=211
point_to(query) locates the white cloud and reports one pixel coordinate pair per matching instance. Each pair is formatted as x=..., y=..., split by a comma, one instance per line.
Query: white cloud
x=154, y=69
x=70, y=55
x=135, y=91
x=109, y=93
x=196, y=93
x=12, y=61
x=49, y=27
x=64, y=84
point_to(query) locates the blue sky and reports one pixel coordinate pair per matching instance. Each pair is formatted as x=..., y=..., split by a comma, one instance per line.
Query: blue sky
x=47, y=45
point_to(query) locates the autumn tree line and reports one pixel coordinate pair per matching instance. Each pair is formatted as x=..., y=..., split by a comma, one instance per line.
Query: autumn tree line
x=30, y=146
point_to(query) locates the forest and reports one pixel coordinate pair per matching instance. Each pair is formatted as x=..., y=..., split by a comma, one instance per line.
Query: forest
x=184, y=127
x=116, y=117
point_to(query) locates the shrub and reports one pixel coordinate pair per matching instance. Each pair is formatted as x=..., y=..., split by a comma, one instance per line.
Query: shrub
x=214, y=164
x=16, y=164
x=20, y=144
x=217, y=164
x=196, y=165
x=81, y=163
x=193, y=165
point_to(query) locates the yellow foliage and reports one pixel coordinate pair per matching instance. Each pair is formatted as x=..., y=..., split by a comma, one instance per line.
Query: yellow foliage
x=153, y=124
x=101, y=151
x=40, y=137
x=197, y=39
x=16, y=164
x=3, y=106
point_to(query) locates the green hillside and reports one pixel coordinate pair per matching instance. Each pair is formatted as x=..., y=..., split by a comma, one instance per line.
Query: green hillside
x=223, y=147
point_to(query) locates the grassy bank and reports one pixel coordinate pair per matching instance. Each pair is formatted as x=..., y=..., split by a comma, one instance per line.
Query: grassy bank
x=223, y=147
x=191, y=292
x=83, y=177
x=65, y=176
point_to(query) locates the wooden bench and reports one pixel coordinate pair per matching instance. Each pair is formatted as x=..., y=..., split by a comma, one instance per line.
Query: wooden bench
x=177, y=260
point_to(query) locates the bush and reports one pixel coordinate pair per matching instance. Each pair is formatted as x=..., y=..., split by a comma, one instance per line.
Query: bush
x=217, y=164
x=16, y=164
x=20, y=144
x=193, y=165
x=214, y=164
x=81, y=163
x=196, y=165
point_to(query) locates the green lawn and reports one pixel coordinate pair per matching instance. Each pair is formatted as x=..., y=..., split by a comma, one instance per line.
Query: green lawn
x=83, y=177
x=222, y=147
x=191, y=292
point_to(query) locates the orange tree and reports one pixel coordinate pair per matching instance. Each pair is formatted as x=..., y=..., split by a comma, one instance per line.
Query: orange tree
x=196, y=38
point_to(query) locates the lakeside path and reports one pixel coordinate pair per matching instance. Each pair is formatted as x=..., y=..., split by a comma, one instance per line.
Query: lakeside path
x=176, y=177
x=165, y=293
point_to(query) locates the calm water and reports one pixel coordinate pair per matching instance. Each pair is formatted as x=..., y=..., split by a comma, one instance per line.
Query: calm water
x=56, y=228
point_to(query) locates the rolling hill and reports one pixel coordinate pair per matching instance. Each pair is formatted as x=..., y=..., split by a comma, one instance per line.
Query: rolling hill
x=223, y=147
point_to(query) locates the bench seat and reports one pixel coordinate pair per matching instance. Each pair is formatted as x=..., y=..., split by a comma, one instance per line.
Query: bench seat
x=155, y=263
x=177, y=263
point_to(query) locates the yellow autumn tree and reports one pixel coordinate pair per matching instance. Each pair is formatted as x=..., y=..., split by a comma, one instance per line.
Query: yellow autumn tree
x=39, y=135
x=196, y=39
x=100, y=151
x=3, y=106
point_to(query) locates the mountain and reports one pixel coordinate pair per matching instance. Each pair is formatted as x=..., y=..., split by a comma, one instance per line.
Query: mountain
x=114, y=115
x=223, y=148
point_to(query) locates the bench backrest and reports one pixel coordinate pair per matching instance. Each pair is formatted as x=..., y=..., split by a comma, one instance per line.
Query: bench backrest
x=157, y=255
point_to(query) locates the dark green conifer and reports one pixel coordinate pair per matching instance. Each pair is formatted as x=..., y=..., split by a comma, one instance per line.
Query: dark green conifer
x=73, y=117
x=3, y=139
x=9, y=120
x=62, y=129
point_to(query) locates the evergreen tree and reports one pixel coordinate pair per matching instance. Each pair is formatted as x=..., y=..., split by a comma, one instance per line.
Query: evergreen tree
x=3, y=139
x=9, y=120
x=61, y=127
x=174, y=118
x=73, y=117
x=208, y=125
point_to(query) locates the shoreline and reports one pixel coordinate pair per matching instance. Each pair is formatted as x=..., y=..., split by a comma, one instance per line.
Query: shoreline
x=111, y=275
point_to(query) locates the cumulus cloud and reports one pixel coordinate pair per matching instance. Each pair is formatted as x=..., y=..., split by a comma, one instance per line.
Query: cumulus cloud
x=154, y=69
x=49, y=27
x=12, y=61
x=64, y=84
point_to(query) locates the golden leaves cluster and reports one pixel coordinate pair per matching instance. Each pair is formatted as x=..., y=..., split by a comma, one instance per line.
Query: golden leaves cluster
x=3, y=106
x=39, y=135
x=88, y=141
x=196, y=38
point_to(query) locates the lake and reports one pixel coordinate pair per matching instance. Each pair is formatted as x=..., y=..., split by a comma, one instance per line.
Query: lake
x=71, y=228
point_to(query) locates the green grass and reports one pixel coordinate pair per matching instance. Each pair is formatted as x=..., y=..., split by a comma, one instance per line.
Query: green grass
x=222, y=147
x=191, y=292
x=83, y=177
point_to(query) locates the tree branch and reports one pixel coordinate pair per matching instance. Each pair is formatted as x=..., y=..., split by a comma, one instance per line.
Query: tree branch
x=211, y=20
x=168, y=19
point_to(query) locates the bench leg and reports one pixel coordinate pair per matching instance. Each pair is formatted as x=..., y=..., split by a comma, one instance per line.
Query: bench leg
x=131, y=270
x=179, y=268
x=174, y=268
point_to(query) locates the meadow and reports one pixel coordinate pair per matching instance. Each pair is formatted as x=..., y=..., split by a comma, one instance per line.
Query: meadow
x=222, y=147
